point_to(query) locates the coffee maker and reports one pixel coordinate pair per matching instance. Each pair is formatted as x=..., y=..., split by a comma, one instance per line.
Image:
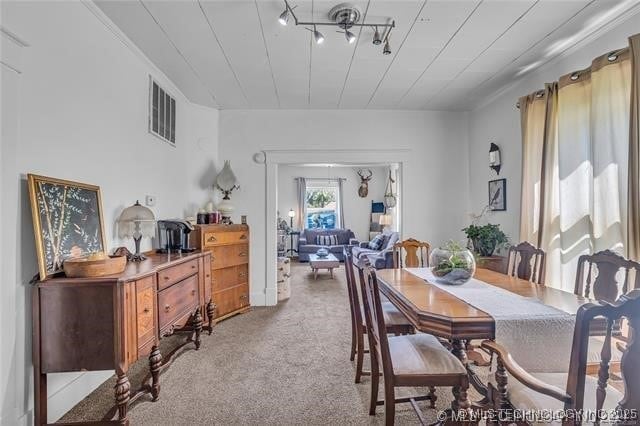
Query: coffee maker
x=173, y=236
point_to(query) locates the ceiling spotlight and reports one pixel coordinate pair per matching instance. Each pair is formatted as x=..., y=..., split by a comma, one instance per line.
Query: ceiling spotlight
x=376, y=37
x=317, y=35
x=387, y=48
x=351, y=37
x=284, y=17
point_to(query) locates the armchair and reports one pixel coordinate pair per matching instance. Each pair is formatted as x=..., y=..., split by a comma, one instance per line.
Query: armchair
x=574, y=390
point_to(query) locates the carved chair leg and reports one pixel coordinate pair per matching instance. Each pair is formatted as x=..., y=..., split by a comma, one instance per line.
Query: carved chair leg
x=155, y=364
x=432, y=396
x=197, y=325
x=123, y=393
x=211, y=309
x=502, y=400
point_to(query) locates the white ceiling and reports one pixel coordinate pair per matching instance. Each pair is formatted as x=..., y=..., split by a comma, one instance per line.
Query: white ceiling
x=446, y=54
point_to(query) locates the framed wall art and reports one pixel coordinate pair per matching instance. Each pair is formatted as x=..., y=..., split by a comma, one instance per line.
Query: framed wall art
x=498, y=195
x=67, y=221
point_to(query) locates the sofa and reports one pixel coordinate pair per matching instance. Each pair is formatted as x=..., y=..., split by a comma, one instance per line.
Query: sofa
x=380, y=259
x=307, y=242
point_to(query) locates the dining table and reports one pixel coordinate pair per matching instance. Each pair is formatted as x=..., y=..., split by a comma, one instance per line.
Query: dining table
x=431, y=309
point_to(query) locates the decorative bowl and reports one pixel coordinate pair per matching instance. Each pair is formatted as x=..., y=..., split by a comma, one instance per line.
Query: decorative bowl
x=452, y=264
x=94, y=266
x=323, y=252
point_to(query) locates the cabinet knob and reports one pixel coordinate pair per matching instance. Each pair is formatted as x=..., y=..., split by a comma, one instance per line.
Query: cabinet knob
x=193, y=292
x=211, y=239
x=167, y=308
x=243, y=237
x=207, y=275
x=242, y=254
x=166, y=277
x=146, y=310
x=193, y=266
x=244, y=296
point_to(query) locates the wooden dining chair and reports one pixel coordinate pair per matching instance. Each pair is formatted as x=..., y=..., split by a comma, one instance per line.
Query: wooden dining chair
x=415, y=360
x=396, y=322
x=416, y=254
x=606, y=275
x=526, y=262
x=601, y=279
x=574, y=390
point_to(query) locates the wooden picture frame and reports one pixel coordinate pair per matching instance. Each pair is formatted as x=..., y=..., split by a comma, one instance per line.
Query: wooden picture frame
x=67, y=221
x=498, y=195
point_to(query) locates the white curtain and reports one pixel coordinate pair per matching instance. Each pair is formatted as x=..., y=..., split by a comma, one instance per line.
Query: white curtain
x=586, y=162
x=340, y=205
x=301, y=211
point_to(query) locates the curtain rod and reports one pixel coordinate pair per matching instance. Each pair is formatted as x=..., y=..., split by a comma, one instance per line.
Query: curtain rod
x=611, y=57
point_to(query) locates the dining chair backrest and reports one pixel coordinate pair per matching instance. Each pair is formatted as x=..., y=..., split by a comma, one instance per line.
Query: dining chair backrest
x=416, y=254
x=626, y=307
x=378, y=339
x=526, y=262
x=602, y=269
x=352, y=288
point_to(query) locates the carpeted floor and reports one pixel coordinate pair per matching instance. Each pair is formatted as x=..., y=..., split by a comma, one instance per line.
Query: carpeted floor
x=282, y=365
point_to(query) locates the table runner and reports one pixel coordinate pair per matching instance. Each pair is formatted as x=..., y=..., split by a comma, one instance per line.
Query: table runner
x=538, y=336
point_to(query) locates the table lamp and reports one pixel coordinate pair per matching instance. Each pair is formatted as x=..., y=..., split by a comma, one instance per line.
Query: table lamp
x=292, y=214
x=226, y=182
x=385, y=220
x=135, y=222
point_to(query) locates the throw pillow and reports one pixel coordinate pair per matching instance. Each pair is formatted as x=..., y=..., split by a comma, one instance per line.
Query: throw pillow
x=327, y=240
x=377, y=242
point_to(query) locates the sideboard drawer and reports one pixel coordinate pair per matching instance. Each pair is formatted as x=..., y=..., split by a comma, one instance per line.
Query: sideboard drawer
x=240, y=255
x=177, y=300
x=232, y=299
x=216, y=238
x=229, y=277
x=145, y=299
x=169, y=276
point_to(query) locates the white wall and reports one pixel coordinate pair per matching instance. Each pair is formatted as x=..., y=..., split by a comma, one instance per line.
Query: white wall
x=357, y=210
x=81, y=101
x=499, y=122
x=434, y=175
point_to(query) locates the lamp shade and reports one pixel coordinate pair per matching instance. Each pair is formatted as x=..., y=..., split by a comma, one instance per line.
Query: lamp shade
x=136, y=221
x=292, y=213
x=386, y=220
x=226, y=179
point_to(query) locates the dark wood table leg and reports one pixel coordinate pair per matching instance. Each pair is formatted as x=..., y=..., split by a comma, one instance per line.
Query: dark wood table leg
x=123, y=393
x=197, y=326
x=155, y=365
x=211, y=310
x=458, y=348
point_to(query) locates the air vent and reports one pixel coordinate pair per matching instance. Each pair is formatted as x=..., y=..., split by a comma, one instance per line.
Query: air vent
x=162, y=113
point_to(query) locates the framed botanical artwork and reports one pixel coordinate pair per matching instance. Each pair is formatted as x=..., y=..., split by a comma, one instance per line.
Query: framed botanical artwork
x=498, y=195
x=67, y=221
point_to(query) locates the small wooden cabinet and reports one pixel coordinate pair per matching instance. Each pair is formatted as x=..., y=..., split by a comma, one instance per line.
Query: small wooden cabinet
x=108, y=323
x=229, y=246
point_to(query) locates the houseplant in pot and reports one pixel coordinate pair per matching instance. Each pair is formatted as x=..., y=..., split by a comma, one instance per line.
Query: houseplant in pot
x=485, y=238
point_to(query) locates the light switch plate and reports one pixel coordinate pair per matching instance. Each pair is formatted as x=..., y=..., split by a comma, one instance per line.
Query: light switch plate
x=150, y=200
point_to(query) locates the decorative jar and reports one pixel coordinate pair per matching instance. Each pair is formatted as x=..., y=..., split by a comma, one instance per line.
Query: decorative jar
x=452, y=264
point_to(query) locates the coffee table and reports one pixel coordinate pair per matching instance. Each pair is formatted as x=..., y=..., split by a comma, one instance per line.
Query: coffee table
x=328, y=262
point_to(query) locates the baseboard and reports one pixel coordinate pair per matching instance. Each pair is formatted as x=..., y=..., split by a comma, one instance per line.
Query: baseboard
x=75, y=391
x=266, y=297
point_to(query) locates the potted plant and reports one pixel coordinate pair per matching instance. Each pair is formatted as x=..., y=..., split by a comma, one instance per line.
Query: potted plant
x=485, y=238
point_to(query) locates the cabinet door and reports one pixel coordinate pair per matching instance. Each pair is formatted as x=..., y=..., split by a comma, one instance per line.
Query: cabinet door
x=145, y=314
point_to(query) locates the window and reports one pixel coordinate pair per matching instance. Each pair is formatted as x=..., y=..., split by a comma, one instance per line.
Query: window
x=322, y=208
x=162, y=113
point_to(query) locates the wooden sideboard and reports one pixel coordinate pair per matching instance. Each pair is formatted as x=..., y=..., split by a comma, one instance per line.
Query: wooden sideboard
x=229, y=245
x=108, y=323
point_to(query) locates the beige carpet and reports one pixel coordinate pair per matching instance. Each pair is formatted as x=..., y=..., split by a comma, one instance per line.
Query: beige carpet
x=283, y=365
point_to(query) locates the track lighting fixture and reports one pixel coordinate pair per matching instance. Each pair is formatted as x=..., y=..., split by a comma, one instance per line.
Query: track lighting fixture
x=344, y=16
x=351, y=37
x=387, y=47
x=284, y=17
x=376, y=37
x=317, y=35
